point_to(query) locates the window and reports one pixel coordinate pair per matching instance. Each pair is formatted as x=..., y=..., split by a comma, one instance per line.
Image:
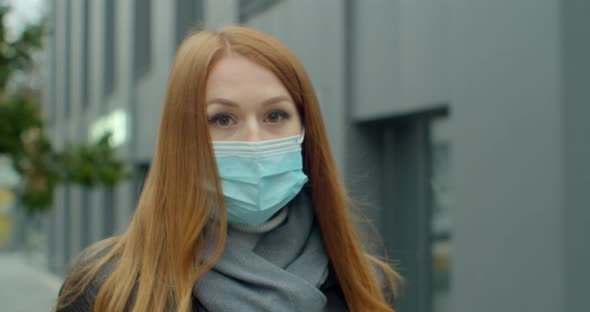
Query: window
x=67, y=56
x=109, y=213
x=85, y=217
x=53, y=67
x=109, y=46
x=67, y=228
x=85, y=54
x=441, y=212
x=143, y=35
x=247, y=9
x=417, y=207
x=52, y=240
x=189, y=13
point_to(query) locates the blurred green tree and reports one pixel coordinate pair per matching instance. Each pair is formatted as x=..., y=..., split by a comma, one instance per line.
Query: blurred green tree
x=16, y=55
x=22, y=131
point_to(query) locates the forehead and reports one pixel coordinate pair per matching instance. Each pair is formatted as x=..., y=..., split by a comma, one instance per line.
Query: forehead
x=235, y=73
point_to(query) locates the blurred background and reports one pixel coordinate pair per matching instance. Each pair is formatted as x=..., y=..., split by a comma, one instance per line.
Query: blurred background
x=460, y=126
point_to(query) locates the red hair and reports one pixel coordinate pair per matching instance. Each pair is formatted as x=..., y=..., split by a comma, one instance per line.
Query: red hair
x=162, y=254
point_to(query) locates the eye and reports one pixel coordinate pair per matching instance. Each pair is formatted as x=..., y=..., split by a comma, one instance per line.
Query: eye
x=221, y=120
x=276, y=116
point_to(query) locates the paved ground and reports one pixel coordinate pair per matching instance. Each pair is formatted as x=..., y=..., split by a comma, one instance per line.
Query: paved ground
x=24, y=287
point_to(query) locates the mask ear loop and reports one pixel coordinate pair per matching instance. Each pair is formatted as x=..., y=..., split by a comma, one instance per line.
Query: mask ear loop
x=300, y=140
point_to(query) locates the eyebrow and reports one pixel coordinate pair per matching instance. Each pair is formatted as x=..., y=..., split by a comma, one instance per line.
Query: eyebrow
x=270, y=101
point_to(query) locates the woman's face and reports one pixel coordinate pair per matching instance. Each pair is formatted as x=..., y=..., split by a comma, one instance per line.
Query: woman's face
x=247, y=102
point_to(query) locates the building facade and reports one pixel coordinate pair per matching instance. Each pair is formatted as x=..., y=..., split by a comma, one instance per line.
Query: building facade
x=459, y=127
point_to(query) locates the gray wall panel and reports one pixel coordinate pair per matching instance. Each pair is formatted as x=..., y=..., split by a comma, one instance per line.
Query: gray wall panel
x=508, y=160
x=421, y=47
x=376, y=63
x=399, y=57
x=577, y=148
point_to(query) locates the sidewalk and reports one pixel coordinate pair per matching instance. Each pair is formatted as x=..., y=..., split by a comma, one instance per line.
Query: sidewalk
x=25, y=288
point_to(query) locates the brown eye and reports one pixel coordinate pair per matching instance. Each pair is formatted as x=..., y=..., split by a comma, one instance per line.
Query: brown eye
x=276, y=116
x=221, y=120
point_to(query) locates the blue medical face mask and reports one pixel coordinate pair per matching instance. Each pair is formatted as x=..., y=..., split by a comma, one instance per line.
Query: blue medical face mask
x=259, y=178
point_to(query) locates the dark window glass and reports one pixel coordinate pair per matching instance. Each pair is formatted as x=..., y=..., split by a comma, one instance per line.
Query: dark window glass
x=143, y=35
x=67, y=57
x=86, y=24
x=109, y=213
x=53, y=68
x=418, y=196
x=189, y=14
x=109, y=46
x=247, y=9
x=85, y=218
x=67, y=229
x=441, y=215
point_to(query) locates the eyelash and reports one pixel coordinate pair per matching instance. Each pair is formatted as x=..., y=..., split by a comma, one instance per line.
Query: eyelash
x=215, y=118
x=284, y=115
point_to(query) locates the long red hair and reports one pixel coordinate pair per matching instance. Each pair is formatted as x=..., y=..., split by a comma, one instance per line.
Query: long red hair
x=179, y=228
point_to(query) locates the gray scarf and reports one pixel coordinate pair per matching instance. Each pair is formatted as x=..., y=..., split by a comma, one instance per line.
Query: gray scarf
x=282, y=273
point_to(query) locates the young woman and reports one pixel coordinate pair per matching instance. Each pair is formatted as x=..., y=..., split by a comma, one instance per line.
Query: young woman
x=242, y=209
